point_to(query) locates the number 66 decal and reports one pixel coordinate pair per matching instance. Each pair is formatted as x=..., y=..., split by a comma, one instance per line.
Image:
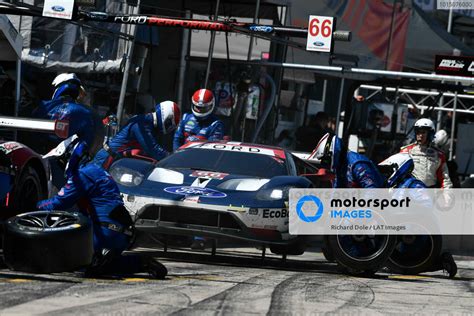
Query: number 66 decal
x=320, y=30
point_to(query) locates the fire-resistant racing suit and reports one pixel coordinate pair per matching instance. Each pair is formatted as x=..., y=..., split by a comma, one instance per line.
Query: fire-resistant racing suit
x=94, y=190
x=430, y=165
x=81, y=118
x=360, y=172
x=193, y=129
x=139, y=133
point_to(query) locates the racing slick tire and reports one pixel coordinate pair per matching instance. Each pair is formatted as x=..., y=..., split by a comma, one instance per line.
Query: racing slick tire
x=414, y=254
x=48, y=242
x=361, y=254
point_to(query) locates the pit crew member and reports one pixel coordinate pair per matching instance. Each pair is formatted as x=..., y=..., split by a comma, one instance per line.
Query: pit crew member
x=141, y=132
x=98, y=195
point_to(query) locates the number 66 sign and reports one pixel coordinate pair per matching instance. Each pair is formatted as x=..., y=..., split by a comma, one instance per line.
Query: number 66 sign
x=320, y=33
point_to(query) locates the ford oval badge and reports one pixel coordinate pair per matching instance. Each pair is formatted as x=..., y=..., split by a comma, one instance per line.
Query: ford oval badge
x=195, y=191
x=57, y=8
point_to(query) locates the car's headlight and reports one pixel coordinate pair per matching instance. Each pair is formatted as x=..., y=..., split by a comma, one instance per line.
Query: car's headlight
x=281, y=193
x=126, y=176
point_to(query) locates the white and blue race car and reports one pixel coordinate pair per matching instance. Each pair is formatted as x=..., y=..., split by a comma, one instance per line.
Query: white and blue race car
x=216, y=189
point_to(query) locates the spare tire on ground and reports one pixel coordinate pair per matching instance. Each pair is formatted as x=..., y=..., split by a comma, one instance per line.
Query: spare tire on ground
x=414, y=254
x=47, y=242
x=361, y=254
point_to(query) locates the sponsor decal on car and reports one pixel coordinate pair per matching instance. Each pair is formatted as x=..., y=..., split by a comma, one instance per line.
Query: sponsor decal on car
x=195, y=191
x=244, y=149
x=8, y=147
x=275, y=213
x=209, y=174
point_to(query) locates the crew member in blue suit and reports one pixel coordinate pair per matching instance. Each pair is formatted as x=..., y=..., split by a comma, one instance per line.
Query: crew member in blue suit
x=97, y=194
x=201, y=124
x=141, y=132
x=355, y=171
x=65, y=105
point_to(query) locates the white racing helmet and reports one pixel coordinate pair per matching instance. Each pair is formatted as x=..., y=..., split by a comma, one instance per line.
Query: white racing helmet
x=203, y=103
x=166, y=116
x=441, y=138
x=401, y=166
x=425, y=124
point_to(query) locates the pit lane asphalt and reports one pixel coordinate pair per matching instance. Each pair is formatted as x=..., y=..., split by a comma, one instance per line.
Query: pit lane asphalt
x=236, y=281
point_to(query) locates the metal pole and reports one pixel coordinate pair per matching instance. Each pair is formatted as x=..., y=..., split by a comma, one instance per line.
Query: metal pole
x=325, y=86
x=453, y=126
x=438, y=119
x=255, y=17
x=17, y=91
x=211, y=47
x=123, y=88
x=183, y=63
x=390, y=36
x=450, y=19
x=338, y=117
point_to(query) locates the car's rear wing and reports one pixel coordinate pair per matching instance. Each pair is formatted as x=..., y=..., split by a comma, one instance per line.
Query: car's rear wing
x=58, y=127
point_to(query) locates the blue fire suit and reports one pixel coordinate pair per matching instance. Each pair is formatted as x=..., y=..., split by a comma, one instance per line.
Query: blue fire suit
x=139, y=133
x=82, y=120
x=193, y=129
x=359, y=172
x=93, y=189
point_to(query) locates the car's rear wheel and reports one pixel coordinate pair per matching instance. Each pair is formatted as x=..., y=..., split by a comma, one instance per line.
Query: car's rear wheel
x=46, y=242
x=361, y=254
x=28, y=191
x=414, y=254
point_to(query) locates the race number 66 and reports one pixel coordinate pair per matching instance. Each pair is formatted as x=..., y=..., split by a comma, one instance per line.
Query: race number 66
x=320, y=33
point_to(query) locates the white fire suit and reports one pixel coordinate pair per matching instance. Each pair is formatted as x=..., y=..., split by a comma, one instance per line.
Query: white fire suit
x=430, y=165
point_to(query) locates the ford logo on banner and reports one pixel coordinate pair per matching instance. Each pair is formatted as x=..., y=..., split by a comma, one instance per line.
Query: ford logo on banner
x=261, y=28
x=195, y=191
x=319, y=44
x=57, y=8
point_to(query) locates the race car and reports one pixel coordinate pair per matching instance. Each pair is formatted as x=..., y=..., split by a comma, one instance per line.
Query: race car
x=216, y=189
x=24, y=177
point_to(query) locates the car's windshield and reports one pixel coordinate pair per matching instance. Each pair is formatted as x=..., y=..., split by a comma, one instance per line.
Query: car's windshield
x=232, y=162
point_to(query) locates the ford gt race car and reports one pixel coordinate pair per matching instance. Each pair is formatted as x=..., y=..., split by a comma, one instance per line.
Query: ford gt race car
x=216, y=189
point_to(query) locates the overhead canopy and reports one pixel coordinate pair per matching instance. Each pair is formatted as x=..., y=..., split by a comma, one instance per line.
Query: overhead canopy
x=426, y=38
x=415, y=38
x=10, y=41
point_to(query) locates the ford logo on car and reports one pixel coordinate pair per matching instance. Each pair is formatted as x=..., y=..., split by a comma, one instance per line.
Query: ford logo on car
x=57, y=8
x=195, y=191
x=319, y=44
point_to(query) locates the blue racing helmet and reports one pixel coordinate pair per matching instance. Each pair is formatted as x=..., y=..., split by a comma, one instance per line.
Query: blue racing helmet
x=71, y=154
x=401, y=165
